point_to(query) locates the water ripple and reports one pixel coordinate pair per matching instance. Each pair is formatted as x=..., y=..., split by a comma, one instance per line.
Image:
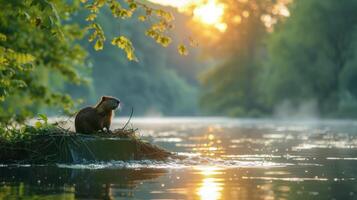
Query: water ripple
x=191, y=162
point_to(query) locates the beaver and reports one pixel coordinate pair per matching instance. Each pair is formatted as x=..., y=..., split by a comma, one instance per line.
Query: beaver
x=98, y=117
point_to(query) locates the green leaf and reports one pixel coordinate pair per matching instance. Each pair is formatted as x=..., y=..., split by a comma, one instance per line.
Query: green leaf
x=91, y=17
x=93, y=36
x=132, y=6
x=142, y=18
x=21, y=58
x=100, y=3
x=98, y=45
x=38, y=124
x=182, y=50
x=43, y=117
x=164, y=41
x=165, y=15
x=124, y=43
x=2, y=37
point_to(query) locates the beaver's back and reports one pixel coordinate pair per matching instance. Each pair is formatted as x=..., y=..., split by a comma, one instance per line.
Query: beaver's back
x=88, y=121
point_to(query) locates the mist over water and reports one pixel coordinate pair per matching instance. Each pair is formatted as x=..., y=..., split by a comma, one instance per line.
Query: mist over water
x=225, y=159
x=307, y=109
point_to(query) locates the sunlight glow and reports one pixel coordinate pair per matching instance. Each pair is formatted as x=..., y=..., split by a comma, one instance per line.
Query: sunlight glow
x=210, y=136
x=281, y=9
x=210, y=189
x=208, y=171
x=174, y=3
x=208, y=12
x=211, y=13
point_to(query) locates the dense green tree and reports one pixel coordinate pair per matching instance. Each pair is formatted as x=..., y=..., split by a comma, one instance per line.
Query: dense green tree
x=231, y=88
x=312, y=56
x=40, y=51
x=37, y=47
x=308, y=57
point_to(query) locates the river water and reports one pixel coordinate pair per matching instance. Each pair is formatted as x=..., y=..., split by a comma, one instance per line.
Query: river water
x=226, y=159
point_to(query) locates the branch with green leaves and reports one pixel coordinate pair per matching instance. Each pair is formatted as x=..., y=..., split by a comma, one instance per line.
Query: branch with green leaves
x=160, y=23
x=39, y=49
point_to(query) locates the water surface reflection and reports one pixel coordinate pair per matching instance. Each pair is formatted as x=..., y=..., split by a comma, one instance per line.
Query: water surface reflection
x=226, y=159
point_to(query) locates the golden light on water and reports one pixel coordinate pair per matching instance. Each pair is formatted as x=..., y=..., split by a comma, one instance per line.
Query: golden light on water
x=210, y=188
x=210, y=136
x=208, y=171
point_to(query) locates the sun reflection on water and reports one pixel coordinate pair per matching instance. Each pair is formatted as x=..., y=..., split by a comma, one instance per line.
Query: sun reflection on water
x=210, y=188
x=209, y=143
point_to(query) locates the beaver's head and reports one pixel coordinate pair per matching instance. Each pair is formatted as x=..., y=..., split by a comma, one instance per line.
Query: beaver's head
x=109, y=103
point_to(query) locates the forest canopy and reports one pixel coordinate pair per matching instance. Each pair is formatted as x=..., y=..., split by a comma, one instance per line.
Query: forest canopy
x=43, y=52
x=302, y=62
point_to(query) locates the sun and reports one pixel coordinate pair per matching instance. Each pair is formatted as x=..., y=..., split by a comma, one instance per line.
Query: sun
x=210, y=13
x=207, y=12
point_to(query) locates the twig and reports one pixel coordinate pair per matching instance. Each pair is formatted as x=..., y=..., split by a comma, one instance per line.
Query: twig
x=131, y=114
